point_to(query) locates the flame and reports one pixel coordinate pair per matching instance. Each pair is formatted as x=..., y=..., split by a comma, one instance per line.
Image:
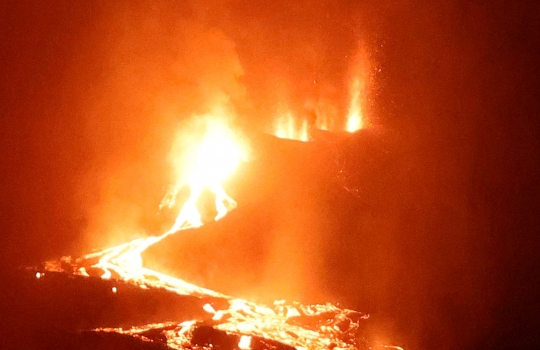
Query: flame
x=287, y=127
x=355, y=118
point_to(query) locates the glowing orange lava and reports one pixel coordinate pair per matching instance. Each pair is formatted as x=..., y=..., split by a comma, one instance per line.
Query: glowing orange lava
x=212, y=161
x=212, y=158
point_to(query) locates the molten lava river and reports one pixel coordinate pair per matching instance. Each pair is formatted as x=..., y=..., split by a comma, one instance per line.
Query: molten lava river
x=234, y=323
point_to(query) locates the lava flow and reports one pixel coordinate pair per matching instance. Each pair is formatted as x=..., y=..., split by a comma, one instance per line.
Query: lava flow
x=247, y=325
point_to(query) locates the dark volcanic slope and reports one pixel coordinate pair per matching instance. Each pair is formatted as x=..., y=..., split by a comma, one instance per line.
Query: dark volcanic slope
x=293, y=197
x=50, y=312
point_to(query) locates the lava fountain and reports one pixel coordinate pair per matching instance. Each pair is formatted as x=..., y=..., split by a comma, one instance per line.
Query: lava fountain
x=211, y=158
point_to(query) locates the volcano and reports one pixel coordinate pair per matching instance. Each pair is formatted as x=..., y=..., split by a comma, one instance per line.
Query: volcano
x=100, y=301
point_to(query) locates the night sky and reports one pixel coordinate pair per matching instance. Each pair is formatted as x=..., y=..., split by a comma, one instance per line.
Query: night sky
x=442, y=246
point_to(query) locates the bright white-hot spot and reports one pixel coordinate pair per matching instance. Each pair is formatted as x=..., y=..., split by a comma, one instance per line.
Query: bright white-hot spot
x=208, y=308
x=245, y=342
x=215, y=157
x=218, y=315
